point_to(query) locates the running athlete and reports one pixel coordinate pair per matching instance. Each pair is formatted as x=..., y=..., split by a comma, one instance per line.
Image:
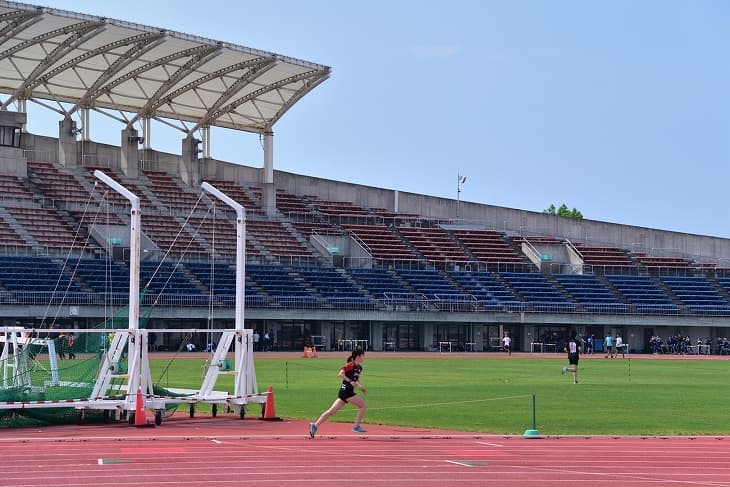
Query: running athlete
x=573, y=357
x=350, y=375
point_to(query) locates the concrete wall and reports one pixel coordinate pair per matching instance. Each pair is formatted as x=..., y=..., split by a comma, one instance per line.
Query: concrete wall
x=335, y=191
x=509, y=220
x=12, y=162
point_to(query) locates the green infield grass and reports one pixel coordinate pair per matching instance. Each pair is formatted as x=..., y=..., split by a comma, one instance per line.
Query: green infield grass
x=491, y=394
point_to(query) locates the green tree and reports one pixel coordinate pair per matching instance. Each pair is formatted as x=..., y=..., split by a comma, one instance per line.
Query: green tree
x=576, y=214
x=564, y=212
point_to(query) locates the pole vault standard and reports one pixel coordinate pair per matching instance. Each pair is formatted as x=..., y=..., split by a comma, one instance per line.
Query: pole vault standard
x=240, y=250
x=139, y=382
x=139, y=379
x=245, y=386
x=134, y=239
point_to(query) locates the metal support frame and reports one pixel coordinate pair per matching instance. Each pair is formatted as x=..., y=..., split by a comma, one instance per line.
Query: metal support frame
x=138, y=374
x=245, y=386
x=138, y=377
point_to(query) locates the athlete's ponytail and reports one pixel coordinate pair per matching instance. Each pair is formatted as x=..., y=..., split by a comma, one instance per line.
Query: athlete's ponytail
x=355, y=354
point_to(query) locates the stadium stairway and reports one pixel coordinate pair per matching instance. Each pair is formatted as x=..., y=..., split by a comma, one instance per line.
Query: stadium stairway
x=304, y=241
x=560, y=288
x=719, y=286
x=676, y=300
x=462, y=246
x=19, y=229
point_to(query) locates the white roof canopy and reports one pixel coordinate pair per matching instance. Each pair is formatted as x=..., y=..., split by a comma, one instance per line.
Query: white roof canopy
x=98, y=63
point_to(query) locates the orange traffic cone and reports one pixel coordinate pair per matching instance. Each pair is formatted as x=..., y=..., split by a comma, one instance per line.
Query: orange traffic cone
x=269, y=408
x=314, y=352
x=306, y=352
x=139, y=416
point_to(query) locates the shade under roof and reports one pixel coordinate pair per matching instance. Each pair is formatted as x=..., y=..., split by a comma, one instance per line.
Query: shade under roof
x=93, y=62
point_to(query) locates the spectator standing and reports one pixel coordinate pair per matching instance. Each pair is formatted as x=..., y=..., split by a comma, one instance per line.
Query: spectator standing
x=61, y=344
x=620, y=345
x=71, y=340
x=610, y=346
x=507, y=344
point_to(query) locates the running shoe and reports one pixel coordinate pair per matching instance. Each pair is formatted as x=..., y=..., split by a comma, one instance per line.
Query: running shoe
x=563, y=370
x=359, y=429
x=575, y=382
x=312, y=430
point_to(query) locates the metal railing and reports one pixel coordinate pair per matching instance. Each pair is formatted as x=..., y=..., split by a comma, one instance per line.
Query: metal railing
x=395, y=302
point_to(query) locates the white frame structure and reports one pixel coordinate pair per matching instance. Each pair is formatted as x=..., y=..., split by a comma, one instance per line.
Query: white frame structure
x=137, y=375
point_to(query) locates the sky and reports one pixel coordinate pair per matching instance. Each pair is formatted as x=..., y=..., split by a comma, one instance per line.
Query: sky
x=618, y=108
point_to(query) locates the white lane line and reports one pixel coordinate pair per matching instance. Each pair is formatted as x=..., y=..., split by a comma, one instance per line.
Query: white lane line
x=490, y=444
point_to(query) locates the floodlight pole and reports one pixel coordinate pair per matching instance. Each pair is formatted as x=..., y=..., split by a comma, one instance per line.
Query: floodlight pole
x=459, y=181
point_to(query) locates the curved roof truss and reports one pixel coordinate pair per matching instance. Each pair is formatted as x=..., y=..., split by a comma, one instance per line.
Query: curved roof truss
x=92, y=62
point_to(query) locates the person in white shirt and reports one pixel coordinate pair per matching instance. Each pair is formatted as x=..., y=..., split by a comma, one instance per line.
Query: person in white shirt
x=507, y=344
x=620, y=346
x=573, y=350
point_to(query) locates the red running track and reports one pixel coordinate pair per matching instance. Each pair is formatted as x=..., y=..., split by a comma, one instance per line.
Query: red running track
x=224, y=451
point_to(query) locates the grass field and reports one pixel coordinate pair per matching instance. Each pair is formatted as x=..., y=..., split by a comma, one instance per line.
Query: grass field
x=494, y=395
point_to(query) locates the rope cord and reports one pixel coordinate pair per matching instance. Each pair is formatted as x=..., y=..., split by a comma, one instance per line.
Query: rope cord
x=65, y=266
x=169, y=249
x=183, y=342
x=211, y=293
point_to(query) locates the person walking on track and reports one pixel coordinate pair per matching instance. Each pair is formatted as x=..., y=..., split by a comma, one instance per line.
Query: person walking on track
x=350, y=375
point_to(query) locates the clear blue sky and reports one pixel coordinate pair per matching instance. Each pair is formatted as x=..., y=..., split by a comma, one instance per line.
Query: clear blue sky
x=619, y=108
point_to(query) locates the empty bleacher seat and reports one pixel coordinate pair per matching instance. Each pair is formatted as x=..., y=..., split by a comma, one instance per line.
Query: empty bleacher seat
x=698, y=294
x=644, y=294
x=489, y=292
x=539, y=293
x=489, y=246
x=278, y=283
x=335, y=287
x=591, y=293
x=434, y=243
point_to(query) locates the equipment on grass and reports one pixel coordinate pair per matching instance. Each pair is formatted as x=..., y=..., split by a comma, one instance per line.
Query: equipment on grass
x=104, y=384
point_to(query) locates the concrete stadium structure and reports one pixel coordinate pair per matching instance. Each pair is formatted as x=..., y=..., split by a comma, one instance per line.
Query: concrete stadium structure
x=540, y=245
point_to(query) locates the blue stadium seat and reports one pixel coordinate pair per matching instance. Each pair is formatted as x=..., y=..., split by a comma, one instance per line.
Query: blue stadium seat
x=644, y=294
x=591, y=293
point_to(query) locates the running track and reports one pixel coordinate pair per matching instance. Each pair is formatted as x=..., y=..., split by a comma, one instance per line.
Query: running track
x=224, y=451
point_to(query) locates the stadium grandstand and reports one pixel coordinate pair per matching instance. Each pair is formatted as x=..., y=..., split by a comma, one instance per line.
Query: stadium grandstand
x=328, y=263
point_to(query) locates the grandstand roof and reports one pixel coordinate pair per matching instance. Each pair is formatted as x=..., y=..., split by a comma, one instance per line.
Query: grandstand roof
x=100, y=63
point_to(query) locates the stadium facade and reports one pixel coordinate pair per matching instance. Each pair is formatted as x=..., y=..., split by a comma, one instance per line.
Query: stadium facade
x=329, y=263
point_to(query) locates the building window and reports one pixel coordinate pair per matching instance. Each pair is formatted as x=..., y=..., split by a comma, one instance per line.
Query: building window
x=9, y=136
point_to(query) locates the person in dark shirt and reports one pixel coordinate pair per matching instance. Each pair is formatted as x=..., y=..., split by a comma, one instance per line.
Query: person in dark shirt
x=70, y=341
x=350, y=375
x=573, y=357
